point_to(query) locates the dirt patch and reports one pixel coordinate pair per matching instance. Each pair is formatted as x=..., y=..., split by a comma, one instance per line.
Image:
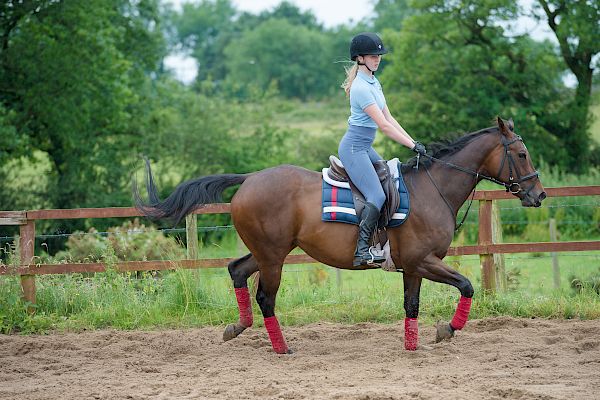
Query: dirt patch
x=497, y=358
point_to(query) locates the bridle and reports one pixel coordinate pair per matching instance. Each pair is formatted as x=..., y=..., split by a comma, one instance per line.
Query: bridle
x=513, y=186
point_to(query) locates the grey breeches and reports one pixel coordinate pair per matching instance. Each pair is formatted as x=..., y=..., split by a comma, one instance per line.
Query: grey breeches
x=358, y=157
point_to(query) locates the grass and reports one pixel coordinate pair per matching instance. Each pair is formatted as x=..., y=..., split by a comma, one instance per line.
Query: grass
x=314, y=117
x=188, y=298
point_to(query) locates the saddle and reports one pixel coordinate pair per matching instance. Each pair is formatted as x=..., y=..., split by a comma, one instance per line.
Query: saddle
x=338, y=173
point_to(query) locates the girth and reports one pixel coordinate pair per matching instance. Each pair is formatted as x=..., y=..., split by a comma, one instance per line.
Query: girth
x=338, y=172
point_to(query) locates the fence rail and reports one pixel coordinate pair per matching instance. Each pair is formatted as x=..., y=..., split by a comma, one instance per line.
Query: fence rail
x=488, y=247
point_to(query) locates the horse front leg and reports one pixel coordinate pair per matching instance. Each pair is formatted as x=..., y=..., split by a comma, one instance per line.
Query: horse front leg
x=240, y=270
x=436, y=270
x=268, y=285
x=412, y=290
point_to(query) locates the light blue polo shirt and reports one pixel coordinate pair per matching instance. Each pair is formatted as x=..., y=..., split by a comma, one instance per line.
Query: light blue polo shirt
x=365, y=90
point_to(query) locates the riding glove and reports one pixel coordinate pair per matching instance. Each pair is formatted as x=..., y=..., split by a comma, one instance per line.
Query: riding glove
x=419, y=148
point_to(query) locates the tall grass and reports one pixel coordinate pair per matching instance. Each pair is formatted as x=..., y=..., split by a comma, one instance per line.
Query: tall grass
x=187, y=298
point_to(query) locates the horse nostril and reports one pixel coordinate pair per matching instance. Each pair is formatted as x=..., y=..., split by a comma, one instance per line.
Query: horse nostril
x=542, y=196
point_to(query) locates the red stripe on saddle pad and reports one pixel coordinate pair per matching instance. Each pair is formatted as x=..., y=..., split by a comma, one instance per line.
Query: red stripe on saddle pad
x=333, y=200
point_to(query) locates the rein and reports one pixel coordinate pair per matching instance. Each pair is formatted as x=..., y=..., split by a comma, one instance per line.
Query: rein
x=514, y=187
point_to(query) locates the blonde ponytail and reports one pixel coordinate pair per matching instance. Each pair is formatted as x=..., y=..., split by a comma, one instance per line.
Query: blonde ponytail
x=350, y=75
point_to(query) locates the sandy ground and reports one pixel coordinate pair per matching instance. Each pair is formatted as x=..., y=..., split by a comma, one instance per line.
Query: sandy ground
x=499, y=358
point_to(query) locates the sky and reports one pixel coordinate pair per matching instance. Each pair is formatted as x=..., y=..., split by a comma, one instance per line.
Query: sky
x=330, y=13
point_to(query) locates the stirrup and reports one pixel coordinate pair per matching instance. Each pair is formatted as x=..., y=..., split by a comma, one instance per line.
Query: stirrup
x=374, y=259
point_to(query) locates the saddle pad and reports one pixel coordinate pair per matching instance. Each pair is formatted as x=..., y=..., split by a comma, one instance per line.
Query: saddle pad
x=338, y=203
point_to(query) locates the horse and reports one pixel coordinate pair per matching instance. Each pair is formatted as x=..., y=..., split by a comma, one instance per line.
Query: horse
x=278, y=209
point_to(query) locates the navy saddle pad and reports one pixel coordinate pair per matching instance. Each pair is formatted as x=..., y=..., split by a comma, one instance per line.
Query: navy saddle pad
x=338, y=203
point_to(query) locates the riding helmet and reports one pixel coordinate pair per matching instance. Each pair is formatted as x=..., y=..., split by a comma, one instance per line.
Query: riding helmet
x=366, y=43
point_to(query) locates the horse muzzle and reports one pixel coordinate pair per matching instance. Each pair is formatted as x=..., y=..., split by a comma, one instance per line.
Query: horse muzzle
x=533, y=199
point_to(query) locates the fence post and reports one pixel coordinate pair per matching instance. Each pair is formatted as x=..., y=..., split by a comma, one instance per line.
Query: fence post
x=488, y=271
x=555, y=267
x=497, y=238
x=26, y=253
x=191, y=236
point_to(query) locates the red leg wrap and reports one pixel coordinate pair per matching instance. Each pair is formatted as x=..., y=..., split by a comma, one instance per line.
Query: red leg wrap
x=243, y=299
x=275, y=335
x=411, y=333
x=462, y=313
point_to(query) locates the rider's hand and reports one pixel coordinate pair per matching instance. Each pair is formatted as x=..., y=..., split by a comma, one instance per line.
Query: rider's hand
x=419, y=148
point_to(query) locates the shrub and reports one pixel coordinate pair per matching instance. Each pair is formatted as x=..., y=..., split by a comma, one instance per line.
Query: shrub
x=592, y=282
x=128, y=242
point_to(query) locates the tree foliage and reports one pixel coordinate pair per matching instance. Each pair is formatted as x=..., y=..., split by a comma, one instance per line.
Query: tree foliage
x=455, y=67
x=278, y=52
x=576, y=25
x=204, y=30
x=258, y=50
x=73, y=76
x=390, y=14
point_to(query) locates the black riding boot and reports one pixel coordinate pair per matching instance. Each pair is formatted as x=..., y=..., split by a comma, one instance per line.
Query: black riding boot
x=368, y=222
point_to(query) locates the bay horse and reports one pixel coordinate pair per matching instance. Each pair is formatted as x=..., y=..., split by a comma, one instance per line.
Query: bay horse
x=278, y=209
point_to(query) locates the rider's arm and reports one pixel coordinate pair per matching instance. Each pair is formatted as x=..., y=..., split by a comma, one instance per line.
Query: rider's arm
x=396, y=133
x=388, y=115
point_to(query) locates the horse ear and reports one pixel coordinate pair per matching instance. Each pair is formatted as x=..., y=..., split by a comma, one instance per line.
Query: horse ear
x=511, y=125
x=503, y=128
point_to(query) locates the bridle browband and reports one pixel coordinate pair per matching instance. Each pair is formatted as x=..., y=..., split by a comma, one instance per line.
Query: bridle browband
x=513, y=186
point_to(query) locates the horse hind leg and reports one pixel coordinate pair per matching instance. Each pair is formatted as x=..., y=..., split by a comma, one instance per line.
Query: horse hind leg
x=268, y=285
x=240, y=270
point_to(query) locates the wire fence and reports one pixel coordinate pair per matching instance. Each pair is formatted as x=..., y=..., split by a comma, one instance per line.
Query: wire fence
x=471, y=220
x=119, y=233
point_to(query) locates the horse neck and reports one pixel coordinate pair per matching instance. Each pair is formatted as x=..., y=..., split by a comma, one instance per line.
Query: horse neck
x=456, y=186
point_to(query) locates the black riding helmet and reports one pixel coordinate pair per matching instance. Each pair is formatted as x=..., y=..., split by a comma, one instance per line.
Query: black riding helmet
x=366, y=43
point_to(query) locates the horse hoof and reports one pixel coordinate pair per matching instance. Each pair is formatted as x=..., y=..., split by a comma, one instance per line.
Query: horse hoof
x=443, y=331
x=424, y=347
x=232, y=331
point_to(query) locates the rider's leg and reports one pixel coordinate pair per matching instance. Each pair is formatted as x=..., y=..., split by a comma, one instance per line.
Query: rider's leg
x=373, y=155
x=360, y=168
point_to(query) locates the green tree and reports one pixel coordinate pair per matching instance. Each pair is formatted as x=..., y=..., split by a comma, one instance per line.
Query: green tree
x=297, y=60
x=389, y=14
x=73, y=79
x=204, y=30
x=454, y=68
x=288, y=11
x=576, y=25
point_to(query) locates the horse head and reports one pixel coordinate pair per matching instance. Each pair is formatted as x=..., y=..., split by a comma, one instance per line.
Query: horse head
x=511, y=163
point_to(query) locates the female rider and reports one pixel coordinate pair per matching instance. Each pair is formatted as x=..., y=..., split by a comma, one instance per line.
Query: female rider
x=368, y=111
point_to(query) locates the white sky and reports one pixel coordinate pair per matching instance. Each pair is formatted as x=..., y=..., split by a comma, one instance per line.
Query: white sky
x=330, y=13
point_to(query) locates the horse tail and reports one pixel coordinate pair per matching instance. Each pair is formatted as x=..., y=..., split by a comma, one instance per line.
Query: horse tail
x=187, y=196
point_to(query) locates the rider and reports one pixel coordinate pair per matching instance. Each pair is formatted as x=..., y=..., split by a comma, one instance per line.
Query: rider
x=368, y=111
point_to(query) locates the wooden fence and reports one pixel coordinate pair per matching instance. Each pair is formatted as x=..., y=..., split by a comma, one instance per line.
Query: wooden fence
x=489, y=242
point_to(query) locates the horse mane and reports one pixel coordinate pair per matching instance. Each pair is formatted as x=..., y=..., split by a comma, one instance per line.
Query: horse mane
x=446, y=147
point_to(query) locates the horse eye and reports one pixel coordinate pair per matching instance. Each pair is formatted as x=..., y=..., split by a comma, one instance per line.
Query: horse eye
x=522, y=156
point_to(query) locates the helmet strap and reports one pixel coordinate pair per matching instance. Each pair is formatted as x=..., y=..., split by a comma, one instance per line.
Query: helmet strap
x=359, y=63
